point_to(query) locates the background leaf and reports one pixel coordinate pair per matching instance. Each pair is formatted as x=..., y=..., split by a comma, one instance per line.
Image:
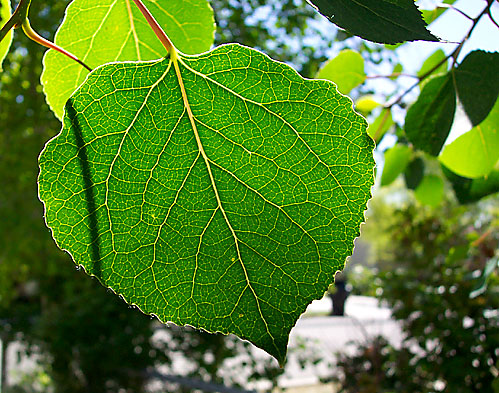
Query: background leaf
x=430, y=191
x=475, y=153
x=5, y=12
x=429, y=119
x=435, y=58
x=396, y=160
x=380, y=125
x=115, y=30
x=477, y=83
x=414, y=173
x=472, y=190
x=346, y=70
x=383, y=21
x=221, y=190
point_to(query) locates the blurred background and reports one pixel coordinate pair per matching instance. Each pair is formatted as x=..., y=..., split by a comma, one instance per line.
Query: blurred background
x=416, y=309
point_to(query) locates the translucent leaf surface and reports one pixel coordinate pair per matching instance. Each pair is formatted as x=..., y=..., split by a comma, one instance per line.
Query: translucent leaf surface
x=380, y=125
x=396, y=160
x=5, y=12
x=432, y=61
x=221, y=190
x=430, y=191
x=429, y=119
x=477, y=83
x=475, y=153
x=384, y=21
x=346, y=70
x=115, y=30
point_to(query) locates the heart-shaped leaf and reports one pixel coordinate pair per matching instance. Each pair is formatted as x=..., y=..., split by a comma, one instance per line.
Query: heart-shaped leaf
x=221, y=190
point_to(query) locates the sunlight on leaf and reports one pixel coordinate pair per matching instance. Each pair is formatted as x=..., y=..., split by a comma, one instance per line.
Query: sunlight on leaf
x=221, y=190
x=115, y=30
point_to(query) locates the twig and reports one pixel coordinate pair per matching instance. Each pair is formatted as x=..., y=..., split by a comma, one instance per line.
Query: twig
x=454, y=55
x=394, y=75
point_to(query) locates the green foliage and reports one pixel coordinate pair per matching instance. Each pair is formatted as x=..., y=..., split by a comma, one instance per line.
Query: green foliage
x=116, y=31
x=430, y=190
x=430, y=267
x=475, y=153
x=429, y=119
x=414, y=173
x=244, y=184
x=384, y=21
x=221, y=222
x=346, y=70
x=477, y=84
x=436, y=59
x=396, y=160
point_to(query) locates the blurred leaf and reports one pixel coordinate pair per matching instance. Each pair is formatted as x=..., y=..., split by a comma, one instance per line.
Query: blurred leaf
x=472, y=190
x=380, y=125
x=481, y=285
x=232, y=221
x=477, y=83
x=5, y=13
x=430, y=190
x=414, y=173
x=396, y=160
x=383, y=21
x=117, y=31
x=366, y=104
x=397, y=70
x=429, y=119
x=346, y=70
x=475, y=153
x=435, y=58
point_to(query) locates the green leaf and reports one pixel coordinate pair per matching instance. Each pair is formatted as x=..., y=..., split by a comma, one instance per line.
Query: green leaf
x=430, y=191
x=414, y=173
x=397, y=70
x=380, y=125
x=396, y=160
x=117, y=31
x=477, y=84
x=383, y=21
x=5, y=12
x=475, y=153
x=366, y=104
x=346, y=70
x=472, y=190
x=432, y=61
x=221, y=190
x=429, y=119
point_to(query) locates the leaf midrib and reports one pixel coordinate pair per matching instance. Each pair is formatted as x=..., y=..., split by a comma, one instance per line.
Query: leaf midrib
x=175, y=61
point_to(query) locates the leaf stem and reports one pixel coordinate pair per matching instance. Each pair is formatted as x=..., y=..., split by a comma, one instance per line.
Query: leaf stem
x=33, y=35
x=20, y=19
x=158, y=30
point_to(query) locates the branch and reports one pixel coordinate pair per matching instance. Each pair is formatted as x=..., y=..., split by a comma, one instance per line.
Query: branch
x=454, y=55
